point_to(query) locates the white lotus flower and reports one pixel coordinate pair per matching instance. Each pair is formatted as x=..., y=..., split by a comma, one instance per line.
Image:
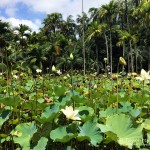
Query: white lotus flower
x=15, y=76
x=70, y=113
x=38, y=70
x=144, y=76
x=58, y=72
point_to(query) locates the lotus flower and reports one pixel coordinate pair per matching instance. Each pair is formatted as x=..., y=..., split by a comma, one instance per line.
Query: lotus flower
x=15, y=76
x=144, y=76
x=58, y=72
x=38, y=70
x=70, y=113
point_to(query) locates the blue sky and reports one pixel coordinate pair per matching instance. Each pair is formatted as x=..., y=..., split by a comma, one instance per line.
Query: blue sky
x=32, y=12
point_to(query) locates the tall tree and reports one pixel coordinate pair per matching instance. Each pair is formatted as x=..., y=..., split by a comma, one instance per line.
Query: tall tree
x=108, y=14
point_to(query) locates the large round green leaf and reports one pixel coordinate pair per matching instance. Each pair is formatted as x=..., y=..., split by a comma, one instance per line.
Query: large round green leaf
x=89, y=131
x=13, y=101
x=146, y=124
x=41, y=144
x=49, y=113
x=23, y=133
x=85, y=112
x=119, y=128
x=62, y=134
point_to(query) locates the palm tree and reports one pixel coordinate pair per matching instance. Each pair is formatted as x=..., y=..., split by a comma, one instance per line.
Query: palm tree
x=125, y=38
x=142, y=14
x=82, y=25
x=22, y=33
x=95, y=32
x=52, y=23
x=69, y=28
x=108, y=14
x=5, y=39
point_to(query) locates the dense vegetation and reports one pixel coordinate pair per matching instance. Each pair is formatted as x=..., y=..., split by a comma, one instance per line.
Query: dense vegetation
x=120, y=28
x=55, y=88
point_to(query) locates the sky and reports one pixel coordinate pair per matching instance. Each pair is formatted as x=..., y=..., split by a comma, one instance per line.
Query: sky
x=32, y=12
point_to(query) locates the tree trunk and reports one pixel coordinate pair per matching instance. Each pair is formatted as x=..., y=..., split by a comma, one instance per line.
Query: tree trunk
x=123, y=51
x=131, y=53
x=111, y=52
x=148, y=58
x=106, y=42
x=97, y=62
x=128, y=62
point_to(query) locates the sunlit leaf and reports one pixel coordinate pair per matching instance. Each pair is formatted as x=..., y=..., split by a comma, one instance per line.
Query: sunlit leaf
x=49, y=113
x=89, y=131
x=146, y=124
x=26, y=131
x=41, y=144
x=122, y=126
x=62, y=134
x=85, y=112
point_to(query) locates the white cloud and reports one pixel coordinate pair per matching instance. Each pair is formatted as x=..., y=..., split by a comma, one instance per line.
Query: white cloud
x=34, y=25
x=65, y=7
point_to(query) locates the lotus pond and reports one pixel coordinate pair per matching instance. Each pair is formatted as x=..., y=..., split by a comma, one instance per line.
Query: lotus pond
x=74, y=112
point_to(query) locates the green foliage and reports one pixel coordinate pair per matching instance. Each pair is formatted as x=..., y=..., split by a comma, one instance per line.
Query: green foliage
x=120, y=128
x=62, y=134
x=89, y=131
x=13, y=101
x=85, y=113
x=23, y=133
x=3, y=67
x=41, y=144
x=59, y=90
x=4, y=116
x=49, y=113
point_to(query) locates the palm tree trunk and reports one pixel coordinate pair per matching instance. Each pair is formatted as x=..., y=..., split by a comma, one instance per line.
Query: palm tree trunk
x=111, y=52
x=128, y=62
x=131, y=51
x=107, y=51
x=97, y=62
x=123, y=51
x=136, y=57
x=83, y=40
x=148, y=58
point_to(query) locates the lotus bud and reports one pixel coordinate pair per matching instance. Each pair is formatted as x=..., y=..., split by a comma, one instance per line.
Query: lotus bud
x=105, y=60
x=65, y=77
x=95, y=86
x=53, y=68
x=71, y=56
x=114, y=76
x=122, y=61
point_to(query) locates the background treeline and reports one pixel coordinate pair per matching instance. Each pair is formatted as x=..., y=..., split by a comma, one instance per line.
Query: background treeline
x=120, y=28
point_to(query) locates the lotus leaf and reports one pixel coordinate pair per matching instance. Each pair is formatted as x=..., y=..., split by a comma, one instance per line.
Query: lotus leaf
x=89, y=131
